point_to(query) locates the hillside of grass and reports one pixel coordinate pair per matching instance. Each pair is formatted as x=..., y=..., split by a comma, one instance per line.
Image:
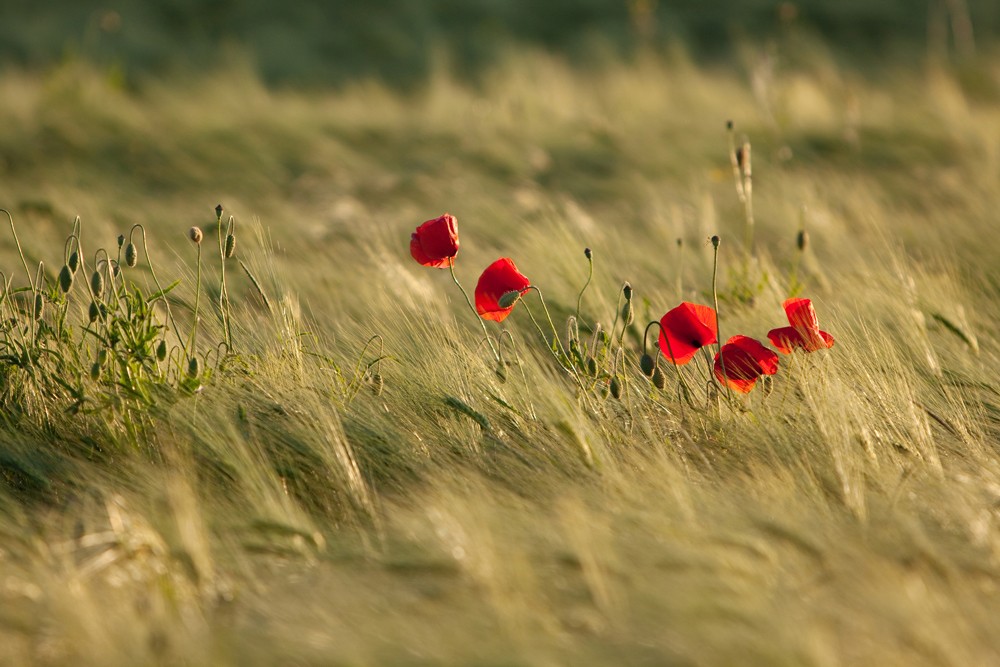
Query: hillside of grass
x=279, y=504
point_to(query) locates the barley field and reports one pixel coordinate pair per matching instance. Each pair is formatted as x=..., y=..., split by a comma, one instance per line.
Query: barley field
x=318, y=459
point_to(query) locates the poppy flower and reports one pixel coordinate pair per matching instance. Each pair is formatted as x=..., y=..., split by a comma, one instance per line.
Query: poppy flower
x=435, y=242
x=499, y=278
x=804, y=331
x=745, y=360
x=688, y=328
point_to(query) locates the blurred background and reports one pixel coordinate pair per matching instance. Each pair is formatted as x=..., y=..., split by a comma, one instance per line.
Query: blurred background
x=318, y=43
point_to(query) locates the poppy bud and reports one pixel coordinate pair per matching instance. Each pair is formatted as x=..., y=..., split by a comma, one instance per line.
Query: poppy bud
x=230, y=246
x=74, y=261
x=647, y=365
x=715, y=241
x=104, y=312
x=218, y=211
x=115, y=269
x=802, y=240
x=131, y=256
x=121, y=240
x=729, y=125
x=592, y=366
x=604, y=391
x=195, y=235
x=377, y=384
x=95, y=371
x=627, y=313
x=97, y=283
x=509, y=299
x=605, y=338
x=589, y=253
x=93, y=312
x=194, y=367
x=102, y=357
x=65, y=279
x=680, y=243
x=616, y=387
x=161, y=350
x=39, y=306
x=627, y=291
x=659, y=379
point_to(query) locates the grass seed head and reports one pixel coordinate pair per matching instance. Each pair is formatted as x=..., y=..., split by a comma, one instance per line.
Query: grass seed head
x=131, y=256
x=66, y=279
x=195, y=235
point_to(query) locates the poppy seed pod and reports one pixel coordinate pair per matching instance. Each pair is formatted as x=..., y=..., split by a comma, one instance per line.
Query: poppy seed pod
x=509, y=299
x=194, y=367
x=377, y=384
x=93, y=312
x=647, y=365
x=95, y=371
x=230, y=246
x=131, y=256
x=97, y=283
x=589, y=253
x=121, y=240
x=39, y=306
x=802, y=240
x=74, y=261
x=715, y=241
x=195, y=235
x=659, y=379
x=161, y=350
x=65, y=279
x=616, y=387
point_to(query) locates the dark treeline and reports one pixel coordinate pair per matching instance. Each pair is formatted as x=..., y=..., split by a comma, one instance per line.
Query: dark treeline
x=332, y=41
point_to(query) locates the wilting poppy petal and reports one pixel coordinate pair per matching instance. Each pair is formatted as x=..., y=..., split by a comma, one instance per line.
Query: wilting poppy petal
x=498, y=279
x=742, y=361
x=787, y=339
x=435, y=242
x=688, y=327
x=801, y=313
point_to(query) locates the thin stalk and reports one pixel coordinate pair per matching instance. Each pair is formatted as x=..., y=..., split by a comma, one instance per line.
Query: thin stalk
x=748, y=201
x=735, y=162
x=482, y=323
x=590, y=276
x=673, y=361
x=223, y=292
x=718, y=330
x=159, y=288
x=520, y=367
x=192, y=338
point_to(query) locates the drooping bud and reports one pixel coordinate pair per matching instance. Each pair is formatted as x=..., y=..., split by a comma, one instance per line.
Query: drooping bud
x=39, y=306
x=509, y=299
x=194, y=367
x=377, y=384
x=102, y=357
x=589, y=253
x=647, y=365
x=74, y=261
x=93, y=312
x=627, y=291
x=659, y=379
x=802, y=240
x=627, y=312
x=161, y=350
x=616, y=387
x=121, y=240
x=195, y=235
x=230, y=246
x=65, y=279
x=97, y=283
x=715, y=241
x=95, y=371
x=131, y=255
x=592, y=366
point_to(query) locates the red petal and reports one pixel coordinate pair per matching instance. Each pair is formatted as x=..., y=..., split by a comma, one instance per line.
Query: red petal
x=688, y=327
x=788, y=338
x=437, y=240
x=499, y=278
x=801, y=313
x=766, y=360
x=739, y=375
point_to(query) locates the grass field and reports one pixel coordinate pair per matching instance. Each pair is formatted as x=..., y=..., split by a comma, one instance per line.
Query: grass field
x=286, y=514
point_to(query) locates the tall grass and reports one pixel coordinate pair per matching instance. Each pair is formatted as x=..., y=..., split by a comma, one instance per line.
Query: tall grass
x=294, y=510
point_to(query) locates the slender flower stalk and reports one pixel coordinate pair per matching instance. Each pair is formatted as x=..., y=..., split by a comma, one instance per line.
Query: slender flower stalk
x=715, y=297
x=590, y=259
x=673, y=360
x=482, y=323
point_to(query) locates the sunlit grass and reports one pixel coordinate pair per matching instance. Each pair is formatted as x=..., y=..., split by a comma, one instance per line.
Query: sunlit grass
x=289, y=510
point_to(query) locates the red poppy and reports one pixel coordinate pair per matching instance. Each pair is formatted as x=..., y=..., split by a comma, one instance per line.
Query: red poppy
x=803, y=333
x=498, y=279
x=688, y=327
x=435, y=242
x=745, y=360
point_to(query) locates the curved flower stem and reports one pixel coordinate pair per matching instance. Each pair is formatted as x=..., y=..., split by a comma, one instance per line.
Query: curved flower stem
x=192, y=338
x=520, y=367
x=482, y=323
x=579, y=299
x=680, y=378
x=718, y=334
x=152, y=272
x=555, y=334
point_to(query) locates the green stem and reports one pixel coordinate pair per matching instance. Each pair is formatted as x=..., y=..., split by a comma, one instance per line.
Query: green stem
x=192, y=339
x=673, y=361
x=579, y=299
x=482, y=323
x=159, y=288
x=718, y=329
